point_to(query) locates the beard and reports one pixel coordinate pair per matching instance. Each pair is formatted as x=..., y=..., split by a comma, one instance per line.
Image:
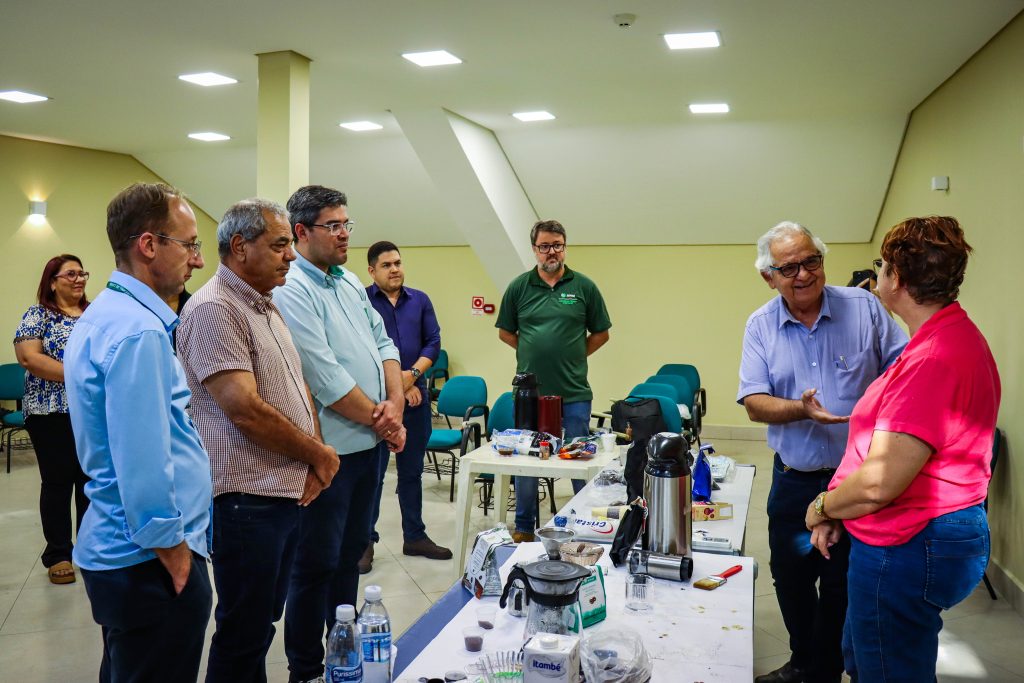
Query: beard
x=551, y=266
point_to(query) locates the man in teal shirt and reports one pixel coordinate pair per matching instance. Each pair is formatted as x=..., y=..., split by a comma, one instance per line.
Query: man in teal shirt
x=554, y=318
x=353, y=371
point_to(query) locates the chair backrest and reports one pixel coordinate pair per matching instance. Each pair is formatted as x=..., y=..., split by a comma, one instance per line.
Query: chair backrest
x=461, y=392
x=12, y=382
x=439, y=366
x=502, y=414
x=658, y=389
x=997, y=446
x=669, y=411
x=683, y=388
x=688, y=371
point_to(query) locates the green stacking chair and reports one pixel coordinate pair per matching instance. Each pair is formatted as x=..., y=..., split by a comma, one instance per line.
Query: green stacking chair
x=12, y=388
x=436, y=373
x=465, y=397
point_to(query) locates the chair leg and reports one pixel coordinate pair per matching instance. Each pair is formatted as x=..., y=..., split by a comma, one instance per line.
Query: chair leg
x=433, y=462
x=455, y=468
x=487, y=493
x=551, y=495
x=988, y=585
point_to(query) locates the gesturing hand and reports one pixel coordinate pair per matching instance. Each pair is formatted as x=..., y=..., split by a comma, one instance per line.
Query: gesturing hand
x=826, y=535
x=817, y=412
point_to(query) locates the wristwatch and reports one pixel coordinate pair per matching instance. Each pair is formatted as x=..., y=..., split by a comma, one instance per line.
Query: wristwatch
x=819, y=505
x=415, y=373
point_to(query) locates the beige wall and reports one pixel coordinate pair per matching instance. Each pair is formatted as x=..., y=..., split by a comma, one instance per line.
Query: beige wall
x=77, y=184
x=668, y=304
x=970, y=129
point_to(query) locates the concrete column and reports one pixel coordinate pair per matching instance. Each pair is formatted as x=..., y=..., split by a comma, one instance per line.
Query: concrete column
x=282, y=128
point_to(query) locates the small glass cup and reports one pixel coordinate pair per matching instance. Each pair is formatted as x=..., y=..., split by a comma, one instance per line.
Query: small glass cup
x=639, y=593
x=473, y=636
x=485, y=616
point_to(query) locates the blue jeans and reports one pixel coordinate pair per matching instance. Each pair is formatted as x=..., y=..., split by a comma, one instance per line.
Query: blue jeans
x=254, y=540
x=575, y=422
x=334, y=530
x=810, y=589
x=897, y=594
x=150, y=634
x=410, y=475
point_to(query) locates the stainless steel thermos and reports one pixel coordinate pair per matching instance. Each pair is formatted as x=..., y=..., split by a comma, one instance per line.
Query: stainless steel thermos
x=667, y=491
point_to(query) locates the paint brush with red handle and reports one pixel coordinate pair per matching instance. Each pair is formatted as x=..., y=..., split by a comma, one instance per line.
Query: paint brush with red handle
x=710, y=583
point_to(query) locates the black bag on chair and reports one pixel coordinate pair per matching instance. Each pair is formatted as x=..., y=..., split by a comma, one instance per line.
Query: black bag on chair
x=643, y=417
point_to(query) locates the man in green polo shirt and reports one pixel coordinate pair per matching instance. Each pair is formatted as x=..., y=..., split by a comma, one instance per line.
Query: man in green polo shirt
x=554, y=318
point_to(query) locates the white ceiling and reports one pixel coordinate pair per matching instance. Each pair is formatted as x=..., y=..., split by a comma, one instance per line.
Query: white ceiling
x=820, y=91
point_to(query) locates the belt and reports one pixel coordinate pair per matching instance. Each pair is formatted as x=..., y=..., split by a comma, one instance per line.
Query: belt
x=822, y=471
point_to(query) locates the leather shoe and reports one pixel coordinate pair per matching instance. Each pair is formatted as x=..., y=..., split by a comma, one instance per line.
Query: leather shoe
x=787, y=673
x=426, y=548
x=522, y=536
x=366, y=561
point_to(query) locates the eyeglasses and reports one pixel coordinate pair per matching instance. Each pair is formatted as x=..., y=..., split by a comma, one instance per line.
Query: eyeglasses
x=557, y=247
x=810, y=264
x=195, y=247
x=72, y=275
x=878, y=263
x=336, y=228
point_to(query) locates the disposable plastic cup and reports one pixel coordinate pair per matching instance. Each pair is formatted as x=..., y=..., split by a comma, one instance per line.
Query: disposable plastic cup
x=473, y=637
x=485, y=616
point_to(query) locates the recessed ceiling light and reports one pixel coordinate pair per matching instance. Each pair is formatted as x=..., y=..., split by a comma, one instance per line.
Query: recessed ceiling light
x=209, y=137
x=534, y=116
x=21, y=97
x=207, y=78
x=691, y=41
x=717, y=108
x=434, y=58
x=360, y=126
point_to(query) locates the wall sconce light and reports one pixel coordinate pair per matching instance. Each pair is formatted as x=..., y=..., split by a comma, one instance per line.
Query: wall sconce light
x=37, y=210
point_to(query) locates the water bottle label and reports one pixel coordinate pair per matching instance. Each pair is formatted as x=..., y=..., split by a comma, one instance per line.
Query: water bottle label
x=344, y=674
x=376, y=647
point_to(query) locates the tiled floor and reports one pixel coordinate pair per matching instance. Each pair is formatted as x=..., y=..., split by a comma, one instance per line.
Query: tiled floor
x=47, y=633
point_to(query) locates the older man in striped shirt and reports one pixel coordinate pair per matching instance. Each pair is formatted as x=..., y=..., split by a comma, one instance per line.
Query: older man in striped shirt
x=256, y=417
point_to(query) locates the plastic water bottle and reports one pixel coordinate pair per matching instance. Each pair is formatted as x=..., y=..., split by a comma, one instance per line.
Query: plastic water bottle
x=344, y=659
x=375, y=632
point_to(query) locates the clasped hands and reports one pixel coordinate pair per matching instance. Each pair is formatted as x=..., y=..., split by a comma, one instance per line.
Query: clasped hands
x=387, y=423
x=825, y=533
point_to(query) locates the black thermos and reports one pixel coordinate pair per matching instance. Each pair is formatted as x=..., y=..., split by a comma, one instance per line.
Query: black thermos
x=525, y=395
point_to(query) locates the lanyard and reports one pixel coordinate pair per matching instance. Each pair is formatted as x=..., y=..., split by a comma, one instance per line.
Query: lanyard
x=122, y=290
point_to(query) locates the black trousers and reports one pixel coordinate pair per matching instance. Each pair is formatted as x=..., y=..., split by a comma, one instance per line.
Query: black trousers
x=254, y=540
x=150, y=634
x=810, y=589
x=61, y=475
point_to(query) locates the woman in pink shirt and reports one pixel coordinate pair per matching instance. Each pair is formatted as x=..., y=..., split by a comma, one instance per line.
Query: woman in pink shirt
x=915, y=474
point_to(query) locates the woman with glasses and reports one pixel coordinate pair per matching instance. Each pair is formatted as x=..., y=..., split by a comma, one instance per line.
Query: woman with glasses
x=39, y=344
x=912, y=484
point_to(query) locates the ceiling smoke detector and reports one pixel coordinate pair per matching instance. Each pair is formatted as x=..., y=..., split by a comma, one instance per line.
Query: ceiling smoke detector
x=624, y=20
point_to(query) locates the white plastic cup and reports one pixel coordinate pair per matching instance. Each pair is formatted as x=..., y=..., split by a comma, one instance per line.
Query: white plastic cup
x=608, y=442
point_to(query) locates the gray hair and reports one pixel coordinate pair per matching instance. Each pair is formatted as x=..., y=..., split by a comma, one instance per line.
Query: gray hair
x=764, y=243
x=248, y=219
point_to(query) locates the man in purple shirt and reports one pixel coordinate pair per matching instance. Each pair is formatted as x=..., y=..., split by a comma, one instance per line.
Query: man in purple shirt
x=808, y=355
x=410, y=321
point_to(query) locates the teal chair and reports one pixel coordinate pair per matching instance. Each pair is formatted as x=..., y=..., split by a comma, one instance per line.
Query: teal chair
x=700, y=399
x=997, y=446
x=434, y=374
x=12, y=388
x=465, y=397
x=502, y=417
x=688, y=396
x=669, y=411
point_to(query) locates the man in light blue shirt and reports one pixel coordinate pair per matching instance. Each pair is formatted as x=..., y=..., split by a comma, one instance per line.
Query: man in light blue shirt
x=144, y=540
x=808, y=355
x=353, y=371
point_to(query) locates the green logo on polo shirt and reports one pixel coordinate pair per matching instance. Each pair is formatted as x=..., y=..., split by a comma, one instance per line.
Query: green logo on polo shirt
x=567, y=299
